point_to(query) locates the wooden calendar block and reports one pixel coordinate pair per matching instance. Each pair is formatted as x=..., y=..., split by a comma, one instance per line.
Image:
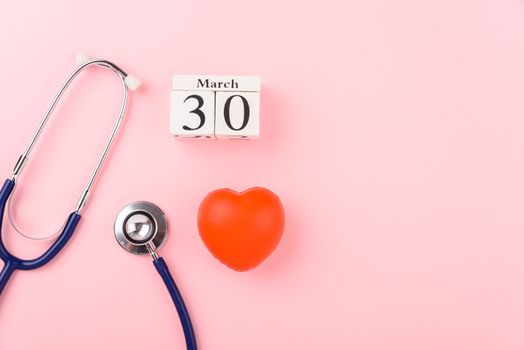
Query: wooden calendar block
x=237, y=115
x=215, y=106
x=193, y=114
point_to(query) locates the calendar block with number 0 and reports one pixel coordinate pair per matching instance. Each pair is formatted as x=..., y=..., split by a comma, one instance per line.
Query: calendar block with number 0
x=209, y=106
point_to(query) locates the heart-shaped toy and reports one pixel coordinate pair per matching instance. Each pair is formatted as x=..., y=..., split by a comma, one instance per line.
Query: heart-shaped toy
x=241, y=229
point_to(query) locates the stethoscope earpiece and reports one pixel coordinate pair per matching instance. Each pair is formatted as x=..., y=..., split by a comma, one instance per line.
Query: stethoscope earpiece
x=141, y=228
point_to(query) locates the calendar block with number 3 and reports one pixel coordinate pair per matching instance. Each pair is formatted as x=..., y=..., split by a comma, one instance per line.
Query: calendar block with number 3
x=215, y=106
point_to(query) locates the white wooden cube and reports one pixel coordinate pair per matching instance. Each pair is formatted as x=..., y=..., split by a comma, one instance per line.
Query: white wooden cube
x=237, y=115
x=193, y=114
x=215, y=106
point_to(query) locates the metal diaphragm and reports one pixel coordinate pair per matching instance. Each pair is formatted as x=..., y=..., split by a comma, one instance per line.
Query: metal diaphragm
x=141, y=228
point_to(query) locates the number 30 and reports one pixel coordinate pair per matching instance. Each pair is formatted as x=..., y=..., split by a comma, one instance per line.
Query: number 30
x=227, y=114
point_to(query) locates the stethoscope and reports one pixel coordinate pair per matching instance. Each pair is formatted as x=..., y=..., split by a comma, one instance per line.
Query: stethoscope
x=140, y=228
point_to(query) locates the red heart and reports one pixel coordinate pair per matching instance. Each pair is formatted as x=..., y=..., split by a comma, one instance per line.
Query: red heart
x=241, y=229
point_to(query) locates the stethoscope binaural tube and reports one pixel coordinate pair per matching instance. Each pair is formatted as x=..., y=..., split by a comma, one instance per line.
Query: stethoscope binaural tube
x=11, y=262
x=141, y=228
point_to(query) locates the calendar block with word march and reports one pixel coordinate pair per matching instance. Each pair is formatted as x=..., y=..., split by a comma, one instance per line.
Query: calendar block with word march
x=210, y=106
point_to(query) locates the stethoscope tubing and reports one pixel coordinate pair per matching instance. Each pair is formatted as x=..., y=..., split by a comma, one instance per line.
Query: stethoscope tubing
x=181, y=309
x=11, y=262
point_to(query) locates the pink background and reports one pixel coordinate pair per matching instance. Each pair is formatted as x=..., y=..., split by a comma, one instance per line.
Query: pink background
x=391, y=130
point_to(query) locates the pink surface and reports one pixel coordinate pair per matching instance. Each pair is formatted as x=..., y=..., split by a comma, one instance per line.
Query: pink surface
x=391, y=130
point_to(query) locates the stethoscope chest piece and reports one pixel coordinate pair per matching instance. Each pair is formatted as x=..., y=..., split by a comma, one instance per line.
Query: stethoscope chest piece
x=141, y=228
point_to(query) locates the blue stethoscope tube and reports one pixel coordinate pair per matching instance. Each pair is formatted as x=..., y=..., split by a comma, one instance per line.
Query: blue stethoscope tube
x=181, y=309
x=11, y=262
